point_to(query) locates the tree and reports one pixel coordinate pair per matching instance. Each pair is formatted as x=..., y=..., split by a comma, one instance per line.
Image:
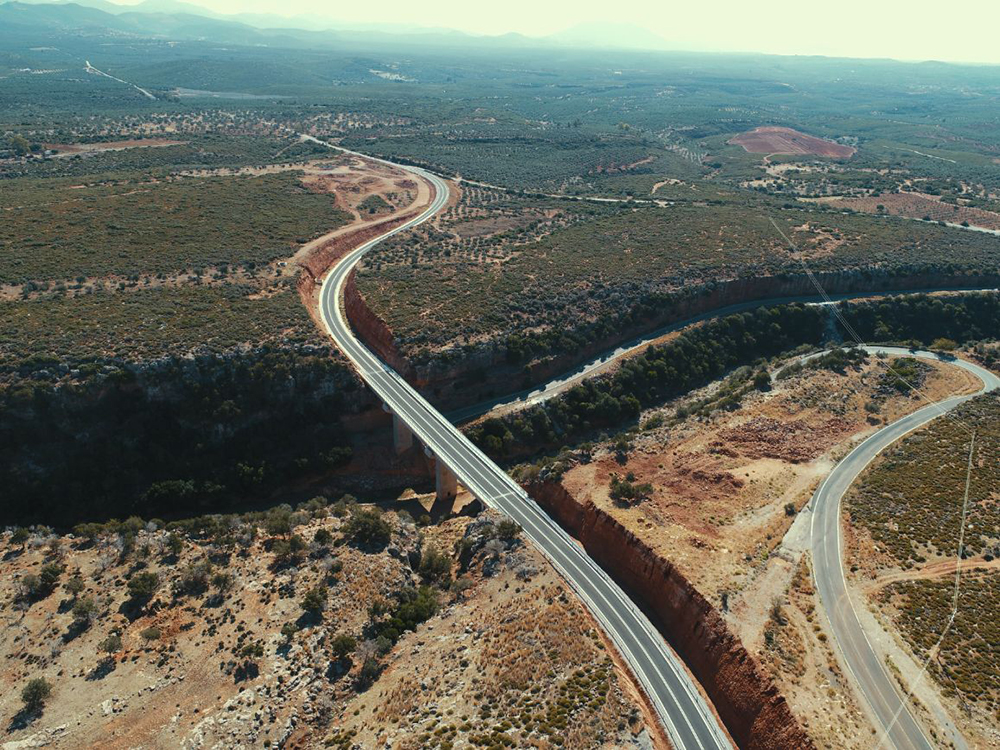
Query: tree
x=35, y=693
x=762, y=380
x=222, y=582
x=20, y=144
x=84, y=612
x=368, y=528
x=368, y=673
x=152, y=633
x=110, y=645
x=175, y=544
x=342, y=646
x=314, y=601
x=75, y=586
x=435, y=566
x=29, y=588
x=20, y=536
x=142, y=586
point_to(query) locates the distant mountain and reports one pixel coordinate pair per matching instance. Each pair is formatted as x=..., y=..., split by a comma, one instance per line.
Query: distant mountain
x=180, y=19
x=608, y=35
x=303, y=21
x=103, y=5
x=68, y=16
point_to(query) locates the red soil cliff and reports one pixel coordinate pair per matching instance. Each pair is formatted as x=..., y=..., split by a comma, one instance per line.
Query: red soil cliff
x=755, y=713
x=371, y=329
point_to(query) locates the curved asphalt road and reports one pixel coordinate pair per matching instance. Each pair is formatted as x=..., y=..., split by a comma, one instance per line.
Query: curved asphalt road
x=898, y=725
x=686, y=715
x=537, y=394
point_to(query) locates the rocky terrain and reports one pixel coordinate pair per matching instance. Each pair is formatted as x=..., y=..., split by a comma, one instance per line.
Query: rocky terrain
x=713, y=491
x=335, y=624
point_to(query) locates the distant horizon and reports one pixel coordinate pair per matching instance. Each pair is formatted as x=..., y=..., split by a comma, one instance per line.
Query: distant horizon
x=887, y=30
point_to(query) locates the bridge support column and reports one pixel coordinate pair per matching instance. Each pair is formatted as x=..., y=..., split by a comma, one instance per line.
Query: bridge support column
x=447, y=482
x=402, y=437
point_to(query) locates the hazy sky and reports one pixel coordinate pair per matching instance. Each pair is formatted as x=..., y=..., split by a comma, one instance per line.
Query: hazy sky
x=966, y=30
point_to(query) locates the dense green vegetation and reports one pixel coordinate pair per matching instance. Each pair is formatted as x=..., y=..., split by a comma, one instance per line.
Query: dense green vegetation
x=923, y=319
x=661, y=372
x=178, y=436
x=56, y=229
x=704, y=353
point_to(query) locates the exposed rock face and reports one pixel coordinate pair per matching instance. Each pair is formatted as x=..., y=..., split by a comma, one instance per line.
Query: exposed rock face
x=446, y=379
x=755, y=713
x=371, y=329
x=323, y=258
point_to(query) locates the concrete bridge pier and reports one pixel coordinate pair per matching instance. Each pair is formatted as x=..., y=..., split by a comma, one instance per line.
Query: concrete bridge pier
x=402, y=436
x=447, y=482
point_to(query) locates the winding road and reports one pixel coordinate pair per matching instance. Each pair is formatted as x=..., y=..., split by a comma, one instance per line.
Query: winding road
x=898, y=726
x=684, y=712
x=558, y=384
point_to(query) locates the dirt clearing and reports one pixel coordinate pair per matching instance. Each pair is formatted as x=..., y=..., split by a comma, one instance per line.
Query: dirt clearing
x=776, y=140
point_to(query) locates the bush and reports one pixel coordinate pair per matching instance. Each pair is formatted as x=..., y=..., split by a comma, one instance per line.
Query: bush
x=151, y=633
x=84, y=611
x=35, y=693
x=38, y=586
x=279, y=521
x=435, y=566
x=412, y=607
x=314, y=601
x=368, y=528
x=626, y=490
x=74, y=586
x=653, y=422
x=322, y=537
x=288, y=551
x=110, y=645
x=194, y=578
x=508, y=530
x=48, y=577
x=142, y=586
x=342, y=646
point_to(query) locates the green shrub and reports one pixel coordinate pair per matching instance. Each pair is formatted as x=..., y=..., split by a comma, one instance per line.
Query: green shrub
x=35, y=693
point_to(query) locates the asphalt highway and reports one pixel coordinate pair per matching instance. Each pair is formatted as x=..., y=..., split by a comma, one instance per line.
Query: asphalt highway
x=898, y=727
x=686, y=715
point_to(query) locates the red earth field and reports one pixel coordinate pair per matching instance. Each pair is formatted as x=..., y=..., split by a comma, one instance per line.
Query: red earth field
x=775, y=140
